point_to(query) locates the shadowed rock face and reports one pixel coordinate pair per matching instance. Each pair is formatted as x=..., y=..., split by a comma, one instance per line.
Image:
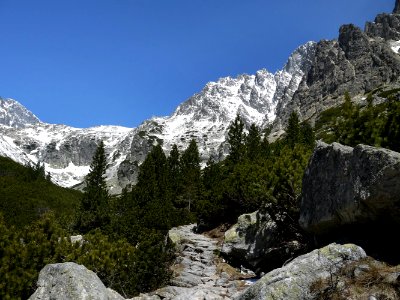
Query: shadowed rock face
x=344, y=186
x=255, y=241
x=397, y=7
x=353, y=195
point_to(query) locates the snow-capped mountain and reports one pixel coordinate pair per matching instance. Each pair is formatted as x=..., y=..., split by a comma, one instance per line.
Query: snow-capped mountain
x=15, y=115
x=205, y=117
x=66, y=151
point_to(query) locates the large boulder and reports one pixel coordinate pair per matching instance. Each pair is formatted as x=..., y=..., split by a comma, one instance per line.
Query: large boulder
x=294, y=281
x=348, y=186
x=71, y=281
x=255, y=242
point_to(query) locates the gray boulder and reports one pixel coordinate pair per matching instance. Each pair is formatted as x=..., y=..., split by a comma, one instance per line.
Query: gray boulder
x=254, y=241
x=293, y=281
x=71, y=281
x=346, y=186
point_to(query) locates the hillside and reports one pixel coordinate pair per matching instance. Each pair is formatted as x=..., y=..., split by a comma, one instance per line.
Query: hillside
x=26, y=195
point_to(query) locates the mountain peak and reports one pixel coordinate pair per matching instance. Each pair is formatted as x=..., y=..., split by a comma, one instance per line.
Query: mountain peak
x=14, y=114
x=397, y=7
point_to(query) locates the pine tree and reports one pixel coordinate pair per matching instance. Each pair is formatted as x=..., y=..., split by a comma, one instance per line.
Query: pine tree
x=391, y=131
x=190, y=166
x=293, y=130
x=236, y=139
x=93, y=211
x=174, y=171
x=152, y=192
x=253, y=143
x=265, y=147
x=307, y=134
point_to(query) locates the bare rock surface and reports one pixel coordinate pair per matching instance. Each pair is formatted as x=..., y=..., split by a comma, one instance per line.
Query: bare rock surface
x=344, y=185
x=255, y=241
x=293, y=281
x=71, y=281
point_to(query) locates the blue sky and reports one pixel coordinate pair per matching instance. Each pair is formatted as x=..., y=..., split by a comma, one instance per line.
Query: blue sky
x=92, y=62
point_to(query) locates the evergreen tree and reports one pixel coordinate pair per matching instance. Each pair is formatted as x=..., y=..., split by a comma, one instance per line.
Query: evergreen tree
x=391, y=131
x=93, y=212
x=307, y=134
x=236, y=139
x=190, y=166
x=152, y=195
x=265, y=147
x=253, y=143
x=36, y=171
x=174, y=171
x=293, y=130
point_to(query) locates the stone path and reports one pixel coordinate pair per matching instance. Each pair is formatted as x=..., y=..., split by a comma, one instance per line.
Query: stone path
x=199, y=274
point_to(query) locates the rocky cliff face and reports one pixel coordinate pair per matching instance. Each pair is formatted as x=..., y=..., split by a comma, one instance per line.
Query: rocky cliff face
x=358, y=62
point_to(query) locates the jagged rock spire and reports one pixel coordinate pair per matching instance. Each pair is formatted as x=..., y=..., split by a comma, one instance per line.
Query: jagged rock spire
x=397, y=7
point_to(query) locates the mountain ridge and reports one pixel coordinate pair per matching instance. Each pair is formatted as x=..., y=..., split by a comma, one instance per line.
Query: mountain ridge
x=66, y=151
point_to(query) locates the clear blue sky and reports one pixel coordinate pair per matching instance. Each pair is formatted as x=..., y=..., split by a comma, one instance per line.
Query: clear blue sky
x=92, y=62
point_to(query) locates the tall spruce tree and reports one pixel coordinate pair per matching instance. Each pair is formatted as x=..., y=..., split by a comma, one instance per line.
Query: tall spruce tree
x=307, y=134
x=191, y=176
x=293, y=130
x=236, y=139
x=152, y=192
x=93, y=212
x=174, y=172
x=253, y=143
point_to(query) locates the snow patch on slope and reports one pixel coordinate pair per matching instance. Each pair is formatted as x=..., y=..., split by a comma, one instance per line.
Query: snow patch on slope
x=395, y=46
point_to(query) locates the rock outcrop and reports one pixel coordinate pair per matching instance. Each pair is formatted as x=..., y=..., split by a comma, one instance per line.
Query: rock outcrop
x=254, y=241
x=71, y=281
x=293, y=281
x=344, y=185
x=353, y=195
x=357, y=62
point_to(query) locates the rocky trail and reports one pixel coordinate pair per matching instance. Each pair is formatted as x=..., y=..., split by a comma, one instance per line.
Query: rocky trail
x=199, y=274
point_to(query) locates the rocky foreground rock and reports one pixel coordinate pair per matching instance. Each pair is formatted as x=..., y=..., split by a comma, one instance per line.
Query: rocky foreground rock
x=293, y=281
x=345, y=186
x=255, y=241
x=71, y=281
